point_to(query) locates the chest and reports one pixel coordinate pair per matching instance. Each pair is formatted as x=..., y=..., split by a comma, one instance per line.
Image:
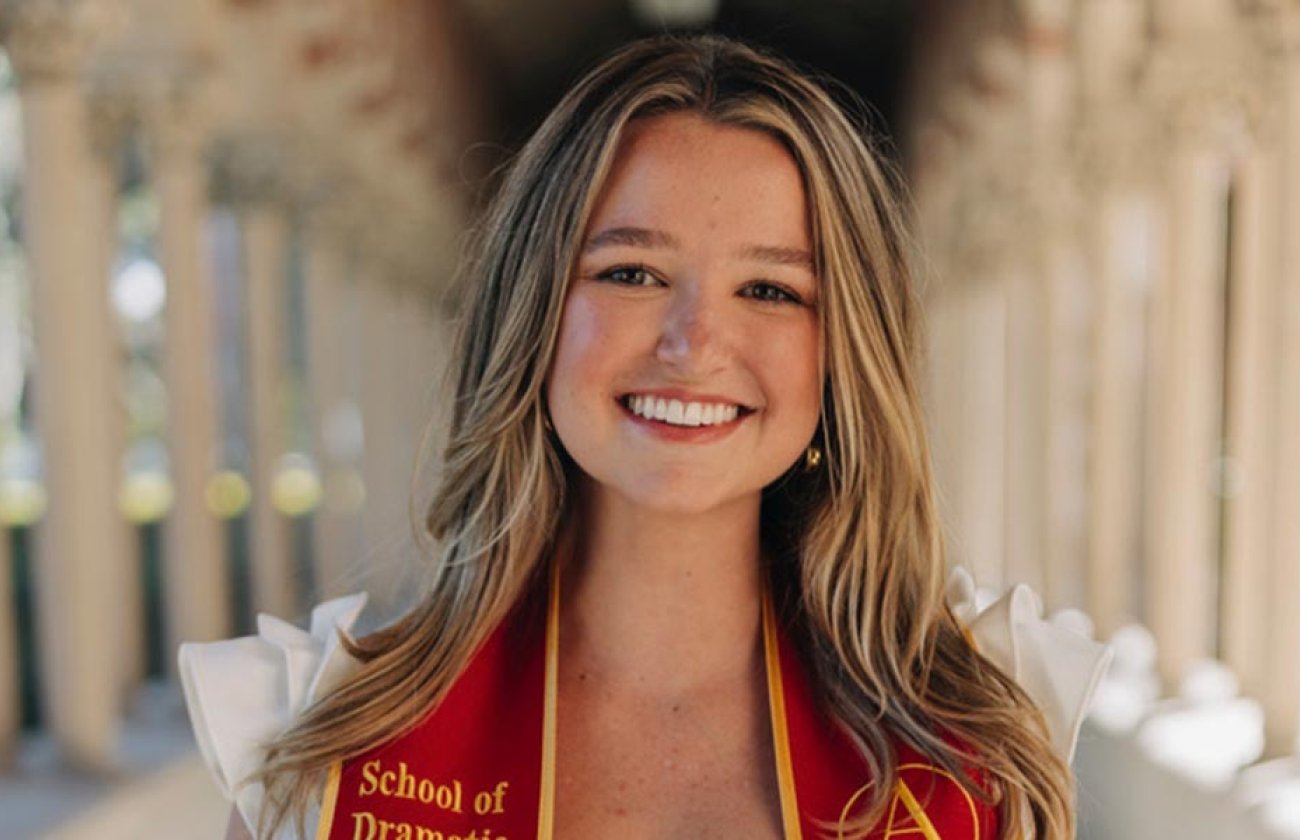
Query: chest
x=511, y=753
x=700, y=768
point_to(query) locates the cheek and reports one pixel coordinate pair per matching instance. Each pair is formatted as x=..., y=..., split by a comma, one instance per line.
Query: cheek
x=795, y=356
x=582, y=335
x=593, y=343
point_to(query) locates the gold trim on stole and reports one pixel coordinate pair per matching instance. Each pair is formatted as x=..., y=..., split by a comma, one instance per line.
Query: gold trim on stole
x=919, y=816
x=780, y=732
x=325, y=823
x=546, y=792
x=918, y=812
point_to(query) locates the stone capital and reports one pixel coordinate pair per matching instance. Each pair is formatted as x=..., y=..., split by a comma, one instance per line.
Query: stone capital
x=110, y=117
x=1046, y=25
x=1277, y=23
x=999, y=68
x=53, y=40
x=1111, y=39
x=1053, y=14
x=250, y=170
x=47, y=40
x=1171, y=18
x=1208, y=93
x=174, y=107
x=1114, y=148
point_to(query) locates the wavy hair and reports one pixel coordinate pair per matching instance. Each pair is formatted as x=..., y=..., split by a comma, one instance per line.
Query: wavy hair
x=857, y=546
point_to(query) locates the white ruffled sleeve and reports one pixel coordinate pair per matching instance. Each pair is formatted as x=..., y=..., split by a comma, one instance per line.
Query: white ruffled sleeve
x=243, y=692
x=1057, y=666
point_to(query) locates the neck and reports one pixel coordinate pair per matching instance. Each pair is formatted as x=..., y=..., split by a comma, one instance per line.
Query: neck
x=662, y=603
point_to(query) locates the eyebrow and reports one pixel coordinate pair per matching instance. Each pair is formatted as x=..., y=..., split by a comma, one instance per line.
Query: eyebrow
x=634, y=236
x=648, y=238
x=778, y=255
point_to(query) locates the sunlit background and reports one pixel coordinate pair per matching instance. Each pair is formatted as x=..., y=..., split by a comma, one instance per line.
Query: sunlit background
x=228, y=230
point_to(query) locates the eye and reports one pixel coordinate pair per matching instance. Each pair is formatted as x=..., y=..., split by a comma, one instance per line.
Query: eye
x=770, y=293
x=629, y=275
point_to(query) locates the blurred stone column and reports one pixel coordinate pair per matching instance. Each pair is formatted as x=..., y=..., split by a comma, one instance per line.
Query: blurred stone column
x=936, y=187
x=110, y=118
x=1188, y=366
x=943, y=313
x=978, y=297
x=384, y=522
x=1184, y=526
x=1055, y=257
x=432, y=342
x=195, y=579
x=1114, y=476
x=252, y=175
x=1022, y=384
x=333, y=365
x=993, y=289
x=982, y=502
x=418, y=371
x=1109, y=34
x=79, y=537
x=266, y=235
x=1248, y=478
x=1282, y=699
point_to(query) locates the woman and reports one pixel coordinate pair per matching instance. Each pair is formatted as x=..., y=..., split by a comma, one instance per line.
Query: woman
x=691, y=580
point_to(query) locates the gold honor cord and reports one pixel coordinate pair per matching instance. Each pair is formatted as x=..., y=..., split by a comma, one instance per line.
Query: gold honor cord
x=780, y=732
x=326, y=820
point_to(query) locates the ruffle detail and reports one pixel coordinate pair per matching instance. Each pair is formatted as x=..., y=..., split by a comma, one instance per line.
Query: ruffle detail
x=243, y=692
x=1057, y=666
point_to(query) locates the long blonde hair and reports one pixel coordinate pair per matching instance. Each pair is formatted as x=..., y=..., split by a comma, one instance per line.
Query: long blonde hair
x=859, y=559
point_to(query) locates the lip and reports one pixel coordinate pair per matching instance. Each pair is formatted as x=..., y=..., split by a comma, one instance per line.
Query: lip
x=683, y=434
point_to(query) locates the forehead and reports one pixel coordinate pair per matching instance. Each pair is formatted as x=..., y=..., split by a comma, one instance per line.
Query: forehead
x=682, y=169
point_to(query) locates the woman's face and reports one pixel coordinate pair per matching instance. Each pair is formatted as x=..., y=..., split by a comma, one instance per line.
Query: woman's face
x=687, y=371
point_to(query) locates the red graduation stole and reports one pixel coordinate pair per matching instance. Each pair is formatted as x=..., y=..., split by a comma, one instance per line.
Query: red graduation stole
x=480, y=765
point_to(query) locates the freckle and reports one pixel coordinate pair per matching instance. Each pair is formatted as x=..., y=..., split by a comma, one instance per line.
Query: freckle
x=677, y=707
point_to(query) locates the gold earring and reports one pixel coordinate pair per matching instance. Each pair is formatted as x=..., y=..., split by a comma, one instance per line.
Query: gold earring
x=812, y=458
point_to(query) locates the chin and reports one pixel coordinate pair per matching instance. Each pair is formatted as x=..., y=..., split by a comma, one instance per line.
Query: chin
x=683, y=496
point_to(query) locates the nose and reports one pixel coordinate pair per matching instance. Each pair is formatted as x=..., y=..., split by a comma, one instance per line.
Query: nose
x=692, y=337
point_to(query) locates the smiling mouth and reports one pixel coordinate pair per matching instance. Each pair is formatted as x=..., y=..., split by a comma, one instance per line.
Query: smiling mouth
x=684, y=413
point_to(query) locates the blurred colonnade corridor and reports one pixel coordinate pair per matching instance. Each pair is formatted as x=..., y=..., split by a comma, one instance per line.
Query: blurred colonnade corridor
x=227, y=234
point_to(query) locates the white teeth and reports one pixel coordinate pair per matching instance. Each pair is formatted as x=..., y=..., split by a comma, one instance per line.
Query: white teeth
x=678, y=413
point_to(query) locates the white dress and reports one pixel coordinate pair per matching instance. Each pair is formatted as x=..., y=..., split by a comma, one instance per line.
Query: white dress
x=242, y=692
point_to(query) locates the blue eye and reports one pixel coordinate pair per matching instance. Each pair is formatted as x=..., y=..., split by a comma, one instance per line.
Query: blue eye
x=770, y=293
x=628, y=275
